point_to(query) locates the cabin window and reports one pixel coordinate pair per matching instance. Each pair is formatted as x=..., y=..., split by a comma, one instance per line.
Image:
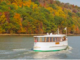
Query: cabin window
x=42, y=39
x=53, y=39
x=58, y=39
x=38, y=39
x=47, y=39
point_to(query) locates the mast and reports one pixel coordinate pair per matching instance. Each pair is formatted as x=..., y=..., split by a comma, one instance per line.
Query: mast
x=66, y=31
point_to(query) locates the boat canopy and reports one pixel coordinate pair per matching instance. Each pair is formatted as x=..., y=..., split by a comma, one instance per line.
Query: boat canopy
x=55, y=35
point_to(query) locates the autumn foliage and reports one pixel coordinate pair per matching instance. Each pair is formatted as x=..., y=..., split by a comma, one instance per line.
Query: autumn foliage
x=38, y=17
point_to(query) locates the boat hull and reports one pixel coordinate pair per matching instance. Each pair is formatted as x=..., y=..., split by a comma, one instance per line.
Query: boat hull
x=50, y=46
x=51, y=50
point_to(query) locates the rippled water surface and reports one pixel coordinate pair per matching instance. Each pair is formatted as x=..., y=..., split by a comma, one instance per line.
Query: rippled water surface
x=20, y=47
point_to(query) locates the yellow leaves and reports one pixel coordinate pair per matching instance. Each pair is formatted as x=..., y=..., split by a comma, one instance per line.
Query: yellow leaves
x=34, y=5
x=2, y=18
x=59, y=8
x=57, y=13
x=15, y=5
x=1, y=30
x=2, y=21
x=61, y=13
x=50, y=9
x=18, y=18
x=73, y=26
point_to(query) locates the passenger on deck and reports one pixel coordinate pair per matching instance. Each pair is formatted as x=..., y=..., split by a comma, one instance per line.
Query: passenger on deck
x=36, y=40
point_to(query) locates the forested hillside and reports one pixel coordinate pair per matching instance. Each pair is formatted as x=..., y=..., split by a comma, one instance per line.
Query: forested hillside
x=38, y=17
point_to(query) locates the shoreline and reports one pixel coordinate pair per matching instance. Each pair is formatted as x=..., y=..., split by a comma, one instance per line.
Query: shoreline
x=35, y=34
x=21, y=34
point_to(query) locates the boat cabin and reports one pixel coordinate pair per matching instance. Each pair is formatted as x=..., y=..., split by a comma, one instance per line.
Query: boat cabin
x=50, y=38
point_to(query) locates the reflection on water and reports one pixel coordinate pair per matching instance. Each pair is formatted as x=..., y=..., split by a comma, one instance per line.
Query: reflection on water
x=20, y=47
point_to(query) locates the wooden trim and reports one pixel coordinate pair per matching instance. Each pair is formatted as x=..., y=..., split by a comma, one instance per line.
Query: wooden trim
x=49, y=39
x=40, y=39
x=45, y=39
x=52, y=39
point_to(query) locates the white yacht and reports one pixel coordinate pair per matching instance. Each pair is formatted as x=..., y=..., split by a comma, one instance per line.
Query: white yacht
x=50, y=42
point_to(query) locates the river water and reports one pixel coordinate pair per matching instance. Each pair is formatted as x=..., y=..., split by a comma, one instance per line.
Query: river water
x=20, y=47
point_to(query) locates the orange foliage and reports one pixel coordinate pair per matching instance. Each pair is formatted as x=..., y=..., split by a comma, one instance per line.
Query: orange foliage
x=77, y=29
x=27, y=3
x=17, y=16
x=18, y=19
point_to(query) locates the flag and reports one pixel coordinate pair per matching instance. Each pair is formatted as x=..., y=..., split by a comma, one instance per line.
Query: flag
x=65, y=28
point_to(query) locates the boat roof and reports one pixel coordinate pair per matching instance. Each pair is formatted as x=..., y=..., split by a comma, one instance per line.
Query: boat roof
x=53, y=35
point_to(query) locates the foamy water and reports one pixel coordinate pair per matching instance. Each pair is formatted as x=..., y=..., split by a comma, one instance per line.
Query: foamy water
x=52, y=54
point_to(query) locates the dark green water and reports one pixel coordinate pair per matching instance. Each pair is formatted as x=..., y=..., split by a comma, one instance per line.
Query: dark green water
x=20, y=47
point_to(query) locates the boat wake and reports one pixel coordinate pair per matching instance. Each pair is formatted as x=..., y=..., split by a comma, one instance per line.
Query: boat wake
x=29, y=53
x=55, y=55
